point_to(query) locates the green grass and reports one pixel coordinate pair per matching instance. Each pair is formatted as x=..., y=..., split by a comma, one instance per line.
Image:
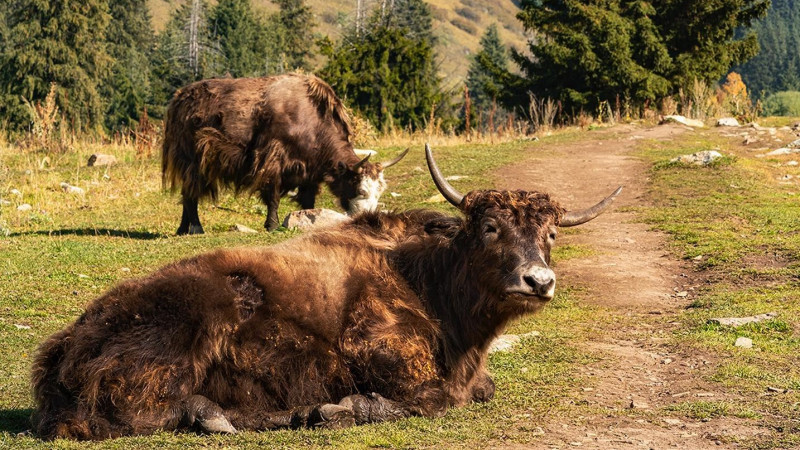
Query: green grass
x=68, y=250
x=737, y=225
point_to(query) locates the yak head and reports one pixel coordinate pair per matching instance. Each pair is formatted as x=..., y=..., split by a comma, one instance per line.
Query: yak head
x=509, y=235
x=359, y=187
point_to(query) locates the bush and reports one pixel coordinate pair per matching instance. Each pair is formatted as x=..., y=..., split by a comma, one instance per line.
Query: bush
x=465, y=25
x=786, y=103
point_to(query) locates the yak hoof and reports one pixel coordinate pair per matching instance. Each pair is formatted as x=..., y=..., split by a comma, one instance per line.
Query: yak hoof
x=191, y=229
x=335, y=417
x=207, y=414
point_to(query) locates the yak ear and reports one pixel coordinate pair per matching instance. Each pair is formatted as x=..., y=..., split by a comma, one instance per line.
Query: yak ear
x=443, y=226
x=341, y=168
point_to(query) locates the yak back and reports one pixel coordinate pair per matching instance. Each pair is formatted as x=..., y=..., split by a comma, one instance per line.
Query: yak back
x=248, y=133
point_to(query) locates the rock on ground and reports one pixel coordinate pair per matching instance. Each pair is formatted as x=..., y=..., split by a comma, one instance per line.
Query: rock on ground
x=743, y=342
x=683, y=121
x=313, y=218
x=99, y=159
x=70, y=189
x=242, y=229
x=728, y=122
x=704, y=158
x=739, y=321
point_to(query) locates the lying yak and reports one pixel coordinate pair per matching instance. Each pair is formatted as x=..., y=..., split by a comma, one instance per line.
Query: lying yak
x=386, y=316
x=267, y=136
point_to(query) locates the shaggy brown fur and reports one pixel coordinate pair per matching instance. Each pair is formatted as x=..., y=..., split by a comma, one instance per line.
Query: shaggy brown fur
x=259, y=135
x=388, y=315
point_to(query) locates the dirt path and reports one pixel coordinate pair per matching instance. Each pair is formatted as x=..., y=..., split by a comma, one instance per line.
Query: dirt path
x=631, y=273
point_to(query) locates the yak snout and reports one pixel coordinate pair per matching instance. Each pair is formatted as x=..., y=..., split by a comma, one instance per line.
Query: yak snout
x=368, y=193
x=535, y=281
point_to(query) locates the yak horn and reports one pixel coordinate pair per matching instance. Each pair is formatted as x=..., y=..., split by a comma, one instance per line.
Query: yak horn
x=361, y=163
x=449, y=192
x=396, y=160
x=572, y=218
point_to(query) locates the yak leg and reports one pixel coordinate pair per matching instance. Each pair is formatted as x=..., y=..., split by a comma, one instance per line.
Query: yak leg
x=307, y=196
x=190, y=221
x=429, y=400
x=271, y=196
x=207, y=414
x=325, y=415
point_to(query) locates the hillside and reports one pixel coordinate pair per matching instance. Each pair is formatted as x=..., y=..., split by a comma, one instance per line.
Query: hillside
x=459, y=25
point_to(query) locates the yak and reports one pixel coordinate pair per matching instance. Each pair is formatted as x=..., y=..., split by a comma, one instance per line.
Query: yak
x=386, y=316
x=269, y=136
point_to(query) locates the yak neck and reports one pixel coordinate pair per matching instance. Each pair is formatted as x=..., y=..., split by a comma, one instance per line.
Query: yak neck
x=447, y=274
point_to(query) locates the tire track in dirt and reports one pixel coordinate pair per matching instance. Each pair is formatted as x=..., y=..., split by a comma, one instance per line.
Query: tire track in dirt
x=630, y=273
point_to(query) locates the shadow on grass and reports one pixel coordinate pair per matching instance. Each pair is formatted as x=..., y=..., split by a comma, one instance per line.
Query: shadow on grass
x=13, y=421
x=142, y=235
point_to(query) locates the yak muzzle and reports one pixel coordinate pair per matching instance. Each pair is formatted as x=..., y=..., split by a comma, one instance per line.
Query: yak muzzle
x=535, y=281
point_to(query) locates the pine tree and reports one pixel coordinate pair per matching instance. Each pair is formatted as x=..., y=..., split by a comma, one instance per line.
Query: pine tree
x=62, y=42
x=296, y=24
x=131, y=39
x=484, y=86
x=184, y=52
x=589, y=51
x=386, y=72
x=242, y=38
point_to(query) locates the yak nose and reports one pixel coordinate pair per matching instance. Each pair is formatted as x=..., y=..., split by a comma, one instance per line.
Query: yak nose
x=542, y=281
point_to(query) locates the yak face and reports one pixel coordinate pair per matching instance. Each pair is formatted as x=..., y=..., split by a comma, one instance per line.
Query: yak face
x=359, y=188
x=513, y=231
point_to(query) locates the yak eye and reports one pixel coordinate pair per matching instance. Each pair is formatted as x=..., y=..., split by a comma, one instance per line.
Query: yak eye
x=552, y=236
x=489, y=228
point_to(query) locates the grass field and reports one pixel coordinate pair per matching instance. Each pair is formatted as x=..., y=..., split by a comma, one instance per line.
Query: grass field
x=66, y=250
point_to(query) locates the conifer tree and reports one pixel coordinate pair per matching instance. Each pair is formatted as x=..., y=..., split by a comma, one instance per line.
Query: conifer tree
x=387, y=72
x=295, y=36
x=484, y=87
x=62, y=42
x=242, y=38
x=589, y=51
x=131, y=39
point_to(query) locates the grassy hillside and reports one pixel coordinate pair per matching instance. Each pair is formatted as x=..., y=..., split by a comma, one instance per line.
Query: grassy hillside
x=459, y=25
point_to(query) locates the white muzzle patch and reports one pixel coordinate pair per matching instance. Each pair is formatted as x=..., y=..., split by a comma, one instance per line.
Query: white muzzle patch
x=369, y=192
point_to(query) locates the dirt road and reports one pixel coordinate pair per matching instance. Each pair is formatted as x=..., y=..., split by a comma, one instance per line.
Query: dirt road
x=631, y=273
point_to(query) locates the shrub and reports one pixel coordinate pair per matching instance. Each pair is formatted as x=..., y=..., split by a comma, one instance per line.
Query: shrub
x=786, y=103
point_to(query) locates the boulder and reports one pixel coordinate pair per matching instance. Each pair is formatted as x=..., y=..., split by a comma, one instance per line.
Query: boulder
x=739, y=321
x=99, y=159
x=743, y=342
x=728, y=122
x=313, y=218
x=683, y=121
x=703, y=158
x=783, y=151
x=794, y=144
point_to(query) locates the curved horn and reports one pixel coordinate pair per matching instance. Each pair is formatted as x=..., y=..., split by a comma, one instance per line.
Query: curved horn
x=396, y=160
x=361, y=163
x=572, y=218
x=449, y=192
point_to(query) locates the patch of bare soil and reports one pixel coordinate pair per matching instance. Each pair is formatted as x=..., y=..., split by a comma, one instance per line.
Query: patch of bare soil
x=631, y=273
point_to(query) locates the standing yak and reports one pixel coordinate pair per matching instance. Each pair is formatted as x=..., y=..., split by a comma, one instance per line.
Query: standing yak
x=266, y=135
x=386, y=316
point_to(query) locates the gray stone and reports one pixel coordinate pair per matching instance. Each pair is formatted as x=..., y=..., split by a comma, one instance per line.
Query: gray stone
x=24, y=207
x=783, y=151
x=70, y=189
x=242, y=229
x=743, y=342
x=313, y=218
x=728, y=122
x=683, y=121
x=363, y=153
x=504, y=343
x=15, y=192
x=739, y=321
x=794, y=144
x=703, y=158
x=99, y=159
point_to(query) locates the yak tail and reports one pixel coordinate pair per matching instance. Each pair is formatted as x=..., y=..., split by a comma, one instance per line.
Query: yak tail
x=58, y=410
x=327, y=101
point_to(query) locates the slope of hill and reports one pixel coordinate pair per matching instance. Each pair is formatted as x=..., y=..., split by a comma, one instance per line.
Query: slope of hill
x=459, y=25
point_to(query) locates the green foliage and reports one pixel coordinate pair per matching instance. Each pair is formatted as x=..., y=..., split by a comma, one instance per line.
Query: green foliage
x=296, y=23
x=185, y=52
x=62, y=42
x=242, y=38
x=777, y=66
x=386, y=72
x=130, y=40
x=491, y=59
x=587, y=52
x=783, y=104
